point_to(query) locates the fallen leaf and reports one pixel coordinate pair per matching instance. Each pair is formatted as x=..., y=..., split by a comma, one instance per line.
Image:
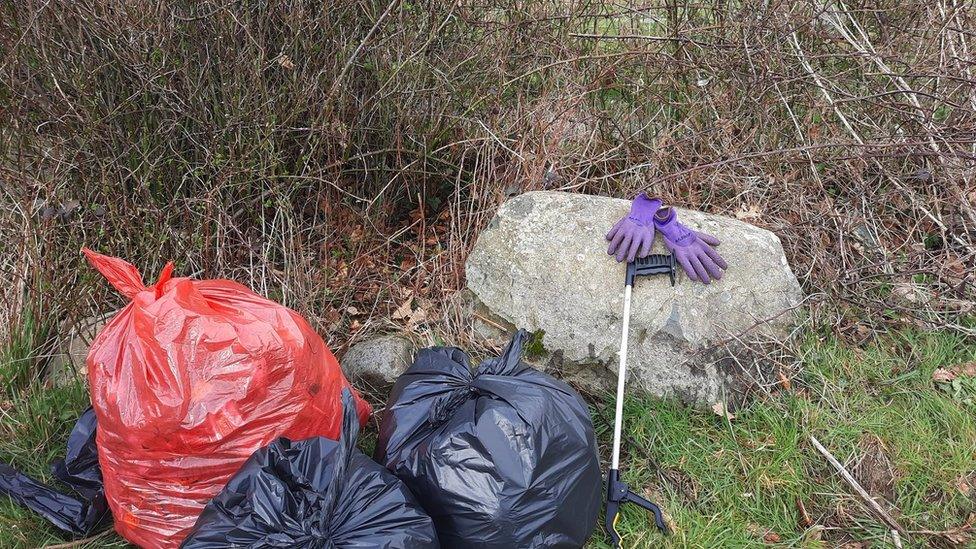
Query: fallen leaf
x=721, y=411
x=286, y=62
x=416, y=317
x=404, y=310
x=966, y=369
x=352, y=310
x=746, y=213
x=963, y=369
x=771, y=537
x=962, y=484
x=784, y=381
x=943, y=375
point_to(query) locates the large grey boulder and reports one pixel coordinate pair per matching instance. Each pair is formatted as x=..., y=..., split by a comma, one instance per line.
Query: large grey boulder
x=542, y=265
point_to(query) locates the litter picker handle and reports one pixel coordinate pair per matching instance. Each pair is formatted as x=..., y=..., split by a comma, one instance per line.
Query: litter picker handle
x=618, y=416
x=617, y=491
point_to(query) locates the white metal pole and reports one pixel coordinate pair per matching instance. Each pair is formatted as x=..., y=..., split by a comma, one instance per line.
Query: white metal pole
x=618, y=418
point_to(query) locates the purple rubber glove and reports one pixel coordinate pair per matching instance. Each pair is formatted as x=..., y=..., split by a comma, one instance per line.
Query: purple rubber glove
x=693, y=250
x=633, y=235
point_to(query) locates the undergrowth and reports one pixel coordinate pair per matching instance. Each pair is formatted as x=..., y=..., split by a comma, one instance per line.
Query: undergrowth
x=340, y=157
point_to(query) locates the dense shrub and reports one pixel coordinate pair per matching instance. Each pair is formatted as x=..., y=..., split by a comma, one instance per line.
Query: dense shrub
x=336, y=155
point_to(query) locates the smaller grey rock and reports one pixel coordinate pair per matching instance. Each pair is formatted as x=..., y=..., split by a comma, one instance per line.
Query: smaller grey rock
x=378, y=362
x=67, y=365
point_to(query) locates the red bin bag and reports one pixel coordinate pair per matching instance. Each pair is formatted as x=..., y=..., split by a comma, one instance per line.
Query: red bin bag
x=187, y=381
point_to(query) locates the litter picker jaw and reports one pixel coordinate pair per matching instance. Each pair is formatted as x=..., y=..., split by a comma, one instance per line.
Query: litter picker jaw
x=617, y=491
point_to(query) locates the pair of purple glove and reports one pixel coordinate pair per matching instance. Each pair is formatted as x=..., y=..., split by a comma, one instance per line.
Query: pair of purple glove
x=633, y=236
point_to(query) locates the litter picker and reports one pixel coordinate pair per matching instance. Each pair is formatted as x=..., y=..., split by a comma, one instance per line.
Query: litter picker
x=617, y=491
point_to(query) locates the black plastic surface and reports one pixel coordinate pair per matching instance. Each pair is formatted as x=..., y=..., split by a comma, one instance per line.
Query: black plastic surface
x=78, y=515
x=504, y=457
x=314, y=494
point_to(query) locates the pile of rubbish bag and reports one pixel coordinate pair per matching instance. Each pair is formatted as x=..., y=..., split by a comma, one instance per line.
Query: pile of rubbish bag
x=187, y=381
x=221, y=419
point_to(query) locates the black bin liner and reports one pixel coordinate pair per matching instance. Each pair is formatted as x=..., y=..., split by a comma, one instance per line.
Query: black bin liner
x=505, y=457
x=317, y=494
x=77, y=515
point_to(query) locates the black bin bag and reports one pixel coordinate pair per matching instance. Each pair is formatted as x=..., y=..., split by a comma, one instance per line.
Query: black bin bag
x=79, y=513
x=504, y=457
x=314, y=494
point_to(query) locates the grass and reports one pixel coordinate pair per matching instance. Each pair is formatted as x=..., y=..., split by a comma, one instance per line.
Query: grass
x=736, y=483
x=722, y=482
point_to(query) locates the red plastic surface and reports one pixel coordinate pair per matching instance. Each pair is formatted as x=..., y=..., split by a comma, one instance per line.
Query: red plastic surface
x=187, y=381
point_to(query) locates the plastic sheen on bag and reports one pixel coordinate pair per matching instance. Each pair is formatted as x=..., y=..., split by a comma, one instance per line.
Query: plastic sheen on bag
x=188, y=380
x=314, y=493
x=77, y=515
x=503, y=457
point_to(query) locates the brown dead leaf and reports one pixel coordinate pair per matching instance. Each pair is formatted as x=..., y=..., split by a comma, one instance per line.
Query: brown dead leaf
x=748, y=213
x=963, y=485
x=942, y=375
x=771, y=537
x=963, y=369
x=404, y=310
x=721, y=411
x=784, y=381
x=416, y=317
x=286, y=62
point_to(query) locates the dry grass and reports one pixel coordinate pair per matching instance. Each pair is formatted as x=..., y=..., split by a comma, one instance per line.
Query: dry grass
x=342, y=158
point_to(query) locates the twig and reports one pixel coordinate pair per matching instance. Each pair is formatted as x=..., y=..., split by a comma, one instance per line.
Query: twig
x=359, y=48
x=847, y=476
x=679, y=39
